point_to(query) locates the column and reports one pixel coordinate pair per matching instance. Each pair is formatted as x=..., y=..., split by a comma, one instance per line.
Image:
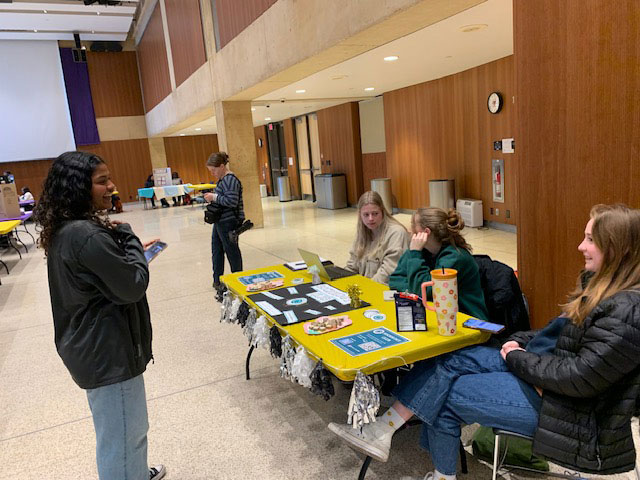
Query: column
x=235, y=136
x=157, y=152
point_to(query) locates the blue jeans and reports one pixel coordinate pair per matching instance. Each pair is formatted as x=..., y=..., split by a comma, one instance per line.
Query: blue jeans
x=472, y=385
x=120, y=420
x=221, y=244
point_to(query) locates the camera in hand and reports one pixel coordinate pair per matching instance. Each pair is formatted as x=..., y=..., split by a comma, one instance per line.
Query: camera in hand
x=212, y=213
x=234, y=234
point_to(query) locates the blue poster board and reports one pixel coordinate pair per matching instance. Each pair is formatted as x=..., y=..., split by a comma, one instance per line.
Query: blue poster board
x=259, y=277
x=369, y=341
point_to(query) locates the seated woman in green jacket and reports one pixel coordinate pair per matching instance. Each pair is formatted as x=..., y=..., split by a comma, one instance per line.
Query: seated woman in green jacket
x=437, y=243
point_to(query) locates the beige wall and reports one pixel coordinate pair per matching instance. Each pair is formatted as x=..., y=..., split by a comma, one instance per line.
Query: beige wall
x=372, y=126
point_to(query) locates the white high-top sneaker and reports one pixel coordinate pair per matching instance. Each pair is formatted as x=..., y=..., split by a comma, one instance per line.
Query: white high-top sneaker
x=373, y=440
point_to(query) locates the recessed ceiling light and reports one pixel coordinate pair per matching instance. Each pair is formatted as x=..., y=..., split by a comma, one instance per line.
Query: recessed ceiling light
x=182, y=134
x=198, y=129
x=301, y=90
x=97, y=13
x=339, y=77
x=253, y=109
x=391, y=58
x=369, y=89
x=36, y=31
x=93, y=31
x=473, y=28
x=267, y=118
x=44, y=11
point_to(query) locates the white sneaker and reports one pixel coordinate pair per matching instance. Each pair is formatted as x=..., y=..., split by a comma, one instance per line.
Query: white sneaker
x=373, y=440
x=428, y=476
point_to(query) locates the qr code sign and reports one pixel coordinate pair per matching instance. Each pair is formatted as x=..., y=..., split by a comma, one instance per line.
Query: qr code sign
x=369, y=346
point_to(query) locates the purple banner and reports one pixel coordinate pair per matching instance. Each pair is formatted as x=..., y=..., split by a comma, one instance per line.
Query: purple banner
x=76, y=82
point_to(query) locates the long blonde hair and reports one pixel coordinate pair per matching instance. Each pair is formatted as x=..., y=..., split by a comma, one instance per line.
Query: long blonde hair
x=616, y=233
x=364, y=235
x=444, y=226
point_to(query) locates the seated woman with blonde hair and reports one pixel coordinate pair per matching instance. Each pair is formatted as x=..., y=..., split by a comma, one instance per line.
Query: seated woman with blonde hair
x=380, y=242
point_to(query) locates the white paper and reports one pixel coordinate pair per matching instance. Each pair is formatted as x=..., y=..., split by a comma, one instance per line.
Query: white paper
x=335, y=294
x=272, y=295
x=267, y=308
x=320, y=297
x=313, y=312
x=330, y=307
x=293, y=290
x=290, y=316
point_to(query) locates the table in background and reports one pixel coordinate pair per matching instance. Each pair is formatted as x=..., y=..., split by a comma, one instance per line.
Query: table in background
x=421, y=345
x=21, y=221
x=171, y=191
x=6, y=229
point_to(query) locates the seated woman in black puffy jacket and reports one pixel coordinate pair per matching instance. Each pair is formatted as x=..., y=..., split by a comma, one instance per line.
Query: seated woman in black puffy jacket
x=572, y=385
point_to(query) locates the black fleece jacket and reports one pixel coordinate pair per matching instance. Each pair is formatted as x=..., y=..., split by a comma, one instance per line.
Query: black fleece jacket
x=97, y=282
x=590, y=386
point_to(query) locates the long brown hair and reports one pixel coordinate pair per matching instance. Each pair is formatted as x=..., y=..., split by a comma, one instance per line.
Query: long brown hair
x=218, y=158
x=364, y=235
x=444, y=226
x=616, y=233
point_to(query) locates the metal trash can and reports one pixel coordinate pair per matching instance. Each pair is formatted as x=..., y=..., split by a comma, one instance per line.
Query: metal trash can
x=383, y=187
x=284, y=189
x=331, y=190
x=442, y=193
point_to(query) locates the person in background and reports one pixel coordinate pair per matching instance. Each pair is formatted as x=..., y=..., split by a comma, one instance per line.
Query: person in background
x=380, y=240
x=27, y=196
x=150, y=184
x=98, y=277
x=176, y=180
x=228, y=196
x=437, y=243
x=572, y=386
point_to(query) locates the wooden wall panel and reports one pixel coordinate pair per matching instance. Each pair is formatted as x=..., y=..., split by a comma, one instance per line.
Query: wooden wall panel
x=578, y=100
x=292, y=152
x=115, y=84
x=232, y=17
x=30, y=174
x=187, y=41
x=262, y=155
x=442, y=129
x=188, y=156
x=374, y=165
x=340, y=151
x=129, y=162
x=152, y=62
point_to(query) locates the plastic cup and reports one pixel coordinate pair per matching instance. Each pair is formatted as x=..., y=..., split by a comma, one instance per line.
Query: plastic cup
x=444, y=288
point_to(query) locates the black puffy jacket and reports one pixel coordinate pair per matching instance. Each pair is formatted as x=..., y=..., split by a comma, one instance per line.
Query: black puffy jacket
x=590, y=386
x=97, y=282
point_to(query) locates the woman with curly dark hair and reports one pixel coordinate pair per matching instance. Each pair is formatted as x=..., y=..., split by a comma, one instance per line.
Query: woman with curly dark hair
x=98, y=276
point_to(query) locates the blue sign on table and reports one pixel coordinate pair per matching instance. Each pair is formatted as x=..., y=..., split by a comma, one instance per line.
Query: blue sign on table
x=259, y=277
x=369, y=341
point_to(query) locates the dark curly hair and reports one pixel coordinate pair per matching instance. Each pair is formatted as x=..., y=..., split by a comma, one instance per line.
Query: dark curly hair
x=66, y=195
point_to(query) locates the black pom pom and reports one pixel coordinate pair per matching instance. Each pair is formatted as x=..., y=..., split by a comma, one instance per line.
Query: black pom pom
x=321, y=382
x=276, y=342
x=243, y=313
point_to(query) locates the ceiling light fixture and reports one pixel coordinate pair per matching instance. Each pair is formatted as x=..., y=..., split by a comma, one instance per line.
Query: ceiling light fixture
x=44, y=11
x=339, y=77
x=267, y=118
x=253, y=109
x=369, y=89
x=35, y=31
x=97, y=13
x=198, y=129
x=302, y=90
x=391, y=58
x=473, y=28
x=182, y=134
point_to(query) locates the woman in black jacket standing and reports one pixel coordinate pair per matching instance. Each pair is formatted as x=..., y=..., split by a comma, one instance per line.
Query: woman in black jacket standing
x=573, y=385
x=98, y=277
x=228, y=196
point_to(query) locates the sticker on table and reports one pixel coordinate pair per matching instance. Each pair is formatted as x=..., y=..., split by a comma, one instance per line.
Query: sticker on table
x=369, y=341
x=371, y=312
x=379, y=317
x=259, y=277
x=293, y=302
x=267, y=308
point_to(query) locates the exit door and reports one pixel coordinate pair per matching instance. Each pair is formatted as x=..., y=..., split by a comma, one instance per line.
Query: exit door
x=277, y=154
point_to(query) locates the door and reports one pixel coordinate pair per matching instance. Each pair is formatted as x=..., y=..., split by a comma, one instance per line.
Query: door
x=314, y=142
x=304, y=158
x=277, y=154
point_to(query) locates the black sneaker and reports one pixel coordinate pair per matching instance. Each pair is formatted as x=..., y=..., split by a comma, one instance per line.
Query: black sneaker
x=157, y=472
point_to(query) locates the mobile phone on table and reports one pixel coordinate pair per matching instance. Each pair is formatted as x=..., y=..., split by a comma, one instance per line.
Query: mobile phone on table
x=153, y=251
x=483, y=326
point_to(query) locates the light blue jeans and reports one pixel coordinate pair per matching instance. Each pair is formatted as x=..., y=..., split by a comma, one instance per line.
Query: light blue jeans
x=472, y=385
x=120, y=420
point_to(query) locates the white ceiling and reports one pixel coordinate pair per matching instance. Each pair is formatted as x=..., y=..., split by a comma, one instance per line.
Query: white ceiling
x=436, y=51
x=59, y=19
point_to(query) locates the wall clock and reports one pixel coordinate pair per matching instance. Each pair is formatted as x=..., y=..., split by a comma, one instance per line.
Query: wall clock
x=494, y=102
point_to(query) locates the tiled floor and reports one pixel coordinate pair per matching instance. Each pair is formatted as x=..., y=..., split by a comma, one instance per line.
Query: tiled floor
x=206, y=421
